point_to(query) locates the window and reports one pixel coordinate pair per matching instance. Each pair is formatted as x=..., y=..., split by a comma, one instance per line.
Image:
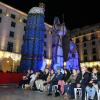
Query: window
x=10, y=47
x=24, y=20
x=0, y=19
x=0, y=11
x=11, y=34
x=84, y=38
x=94, y=58
x=85, y=52
x=85, y=58
x=94, y=50
x=24, y=28
x=44, y=43
x=45, y=35
x=13, y=24
x=77, y=45
x=84, y=44
x=23, y=37
x=13, y=16
x=77, y=40
x=93, y=36
x=93, y=43
x=44, y=53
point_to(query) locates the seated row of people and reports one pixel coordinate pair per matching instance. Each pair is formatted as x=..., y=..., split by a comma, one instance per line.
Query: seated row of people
x=65, y=80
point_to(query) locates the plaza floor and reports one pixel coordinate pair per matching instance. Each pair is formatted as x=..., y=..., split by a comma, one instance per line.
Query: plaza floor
x=13, y=93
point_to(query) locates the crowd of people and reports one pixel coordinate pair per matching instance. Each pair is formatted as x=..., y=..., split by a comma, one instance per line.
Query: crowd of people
x=65, y=81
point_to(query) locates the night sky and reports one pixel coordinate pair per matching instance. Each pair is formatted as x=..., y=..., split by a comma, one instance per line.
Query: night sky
x=76, y=13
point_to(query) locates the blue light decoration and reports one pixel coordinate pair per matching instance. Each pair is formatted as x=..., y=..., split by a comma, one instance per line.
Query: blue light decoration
x=55, y=41
x=33, y=46
x=73, y=57
x=59, y=30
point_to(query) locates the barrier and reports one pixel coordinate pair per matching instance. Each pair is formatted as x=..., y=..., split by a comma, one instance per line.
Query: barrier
x=8, y=78
x=77, y=93
x=98, y=94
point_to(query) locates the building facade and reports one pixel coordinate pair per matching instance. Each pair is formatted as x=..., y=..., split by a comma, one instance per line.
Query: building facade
x=87, y=40
x=12, y=30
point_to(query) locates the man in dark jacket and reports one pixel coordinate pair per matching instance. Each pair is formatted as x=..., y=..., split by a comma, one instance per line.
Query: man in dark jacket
x=83, y=79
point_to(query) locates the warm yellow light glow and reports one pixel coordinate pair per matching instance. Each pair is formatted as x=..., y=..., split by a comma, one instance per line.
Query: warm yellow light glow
x=20, y=20
x=48, y=61
x=7, y=61
x=14, y=56
x=90, y=64
x=1, y=55
x=7, y=14
x=64, y=63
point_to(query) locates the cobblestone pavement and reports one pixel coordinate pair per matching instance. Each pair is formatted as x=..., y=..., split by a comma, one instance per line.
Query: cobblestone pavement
x=13, y=93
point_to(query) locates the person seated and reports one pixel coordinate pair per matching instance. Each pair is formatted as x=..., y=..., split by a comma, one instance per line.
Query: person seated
x=71, y=84
x=33, y=78
x=61, y=83
x=50, y=77
x=25, y=79
x=58, y=76
x=95, y=77
x=41, y=80
x=83, y=80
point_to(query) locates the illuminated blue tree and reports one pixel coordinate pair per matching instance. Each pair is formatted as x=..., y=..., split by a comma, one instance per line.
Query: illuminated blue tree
x=32, y=49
